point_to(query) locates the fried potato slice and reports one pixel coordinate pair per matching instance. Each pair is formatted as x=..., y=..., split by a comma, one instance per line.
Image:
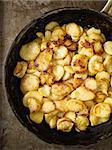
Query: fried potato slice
x=51, y=25
x=29, y=82
x=50, y=115
x=53, y=122
x=108, y=47
x=32, y=94
x=69, y=69
x=70, y=115
x=87, y=52
x=100, y=97
x=48, y=106
x=60, y=53
x=20, y=69
x=108, y=63
x=91, y=84
x=66, y=76
x=108, y=100
x=34, y=105
x=64, y=125
x=103, y=75
x=44, y=59
x=89, y=104
x=83, y=94
x=58, y=72
x=37, y=117
x=79, y=63
x=82, y=76
x=30, y=51
x=61, y=105
x=102, y=86
x=81, y=123
x=57, y=34
x=98, y=48
x=44, y=90
x=74, y=31
x=95, y=64
x=102, y=110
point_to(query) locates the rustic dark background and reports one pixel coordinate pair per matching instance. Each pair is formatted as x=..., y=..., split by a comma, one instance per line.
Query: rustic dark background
x=14, y=15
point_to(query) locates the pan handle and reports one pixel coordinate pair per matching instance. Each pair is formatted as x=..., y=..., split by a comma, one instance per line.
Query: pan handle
x=108, y=8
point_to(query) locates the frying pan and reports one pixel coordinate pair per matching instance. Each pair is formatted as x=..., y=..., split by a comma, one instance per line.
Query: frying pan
x=83, y=17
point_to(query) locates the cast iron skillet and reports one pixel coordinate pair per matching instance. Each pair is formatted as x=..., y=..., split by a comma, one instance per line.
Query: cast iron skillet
x=83, y=17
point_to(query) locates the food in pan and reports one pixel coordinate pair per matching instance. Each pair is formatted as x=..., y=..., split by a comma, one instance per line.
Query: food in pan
x=66, y=77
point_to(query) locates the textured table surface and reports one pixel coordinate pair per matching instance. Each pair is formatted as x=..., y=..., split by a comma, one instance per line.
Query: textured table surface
x=14, y=15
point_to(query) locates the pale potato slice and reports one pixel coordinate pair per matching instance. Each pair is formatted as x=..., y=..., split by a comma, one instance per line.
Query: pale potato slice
x=59, y=62
x=30, y=51
x=94, y=120
x=89, y=104
x=44, y=59
x=108, y=100
x=108, y=47
x=95, y=64
x=87, y=52
x=20, y=69
x=60, y=89
x=53, y=122
x=29, y=82
x=58, y=72
x=45, y=90
x=74, y=31
x=108, y=63
x=103, y=75
x=102, y=86
x=51, y=25
x=50, y=115
x=32, y=94
x=66, y=76
x=67, y=59
x=61, y=52
x=83, y=94
x=34, y=105
x=69, y=69
x=81, y=123
x=61, y=105
x=102, y=110
x=93, y=30
x=48, y=106
x=91, y=84
x=100, y=97
x=57, y=34
x=64, y=125
x=98, y=48
x=37, y=117
x=47, y=35
x=79, y=63
x=71, y=115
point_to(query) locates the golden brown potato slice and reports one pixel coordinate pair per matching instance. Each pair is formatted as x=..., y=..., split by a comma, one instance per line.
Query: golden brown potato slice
x=108, y=63
x=20, y=69
x=53, y=122
x=30, y=51
x=82, y=76
x=50, y=115
x=71, y=115
x=108, y=47
x=87, y=52
x=108, y=100
x=103, y=75
x=64, y=125
x=61, y=105
x=58, y=72
x=57, y=34
x=74, y=31
x=102, y=86
x=98, y=48
x=83, y=94
x=100, y=97
x=61, y=52
x=37, y=117
x=48, y=106
x=79, y=63
x=44, y=59
x=89, y=104
x=102, y=110
x=95, y=64
x=47, y=35
x=32, y=94
x=81, y=123
x=29, y=82
x=44, y=90
x=91, y=84
x=33, y=105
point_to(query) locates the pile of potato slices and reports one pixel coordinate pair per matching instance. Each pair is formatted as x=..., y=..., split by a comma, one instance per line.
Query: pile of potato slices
x=66, y=77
